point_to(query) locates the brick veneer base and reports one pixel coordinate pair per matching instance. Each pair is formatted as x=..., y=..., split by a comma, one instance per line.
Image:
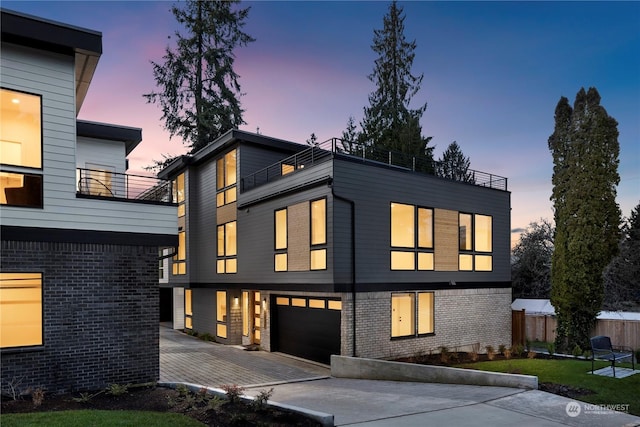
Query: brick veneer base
x=100, y=315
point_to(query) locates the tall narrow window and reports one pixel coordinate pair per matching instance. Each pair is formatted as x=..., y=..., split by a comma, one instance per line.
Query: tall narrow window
x=412, y=233
x=20, y=309
x=402, y=314
x=425, y=313
x=227, y=248
x=188, y=310
x=180, y=258
x=226, y=179
x=245, y=313
x=280, y=260
x=21, y=147
x=318, y=234
x=221, y=314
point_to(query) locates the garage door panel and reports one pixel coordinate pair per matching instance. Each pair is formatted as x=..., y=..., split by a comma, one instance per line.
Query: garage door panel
x=310, y=333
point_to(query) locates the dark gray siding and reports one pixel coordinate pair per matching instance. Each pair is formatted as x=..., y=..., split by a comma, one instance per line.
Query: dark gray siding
x=253, y=158
x=374, y=188
x=202, y=223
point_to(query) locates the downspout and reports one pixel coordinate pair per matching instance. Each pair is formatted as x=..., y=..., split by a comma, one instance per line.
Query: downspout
x=353, y=262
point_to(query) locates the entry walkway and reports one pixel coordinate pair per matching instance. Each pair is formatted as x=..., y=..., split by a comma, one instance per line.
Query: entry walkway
x=367, y=403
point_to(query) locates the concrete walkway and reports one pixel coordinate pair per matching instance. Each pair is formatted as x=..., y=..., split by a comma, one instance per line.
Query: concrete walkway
x=369, y=403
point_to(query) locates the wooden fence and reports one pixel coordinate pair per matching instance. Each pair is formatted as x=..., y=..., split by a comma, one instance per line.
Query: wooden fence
x=543, y=328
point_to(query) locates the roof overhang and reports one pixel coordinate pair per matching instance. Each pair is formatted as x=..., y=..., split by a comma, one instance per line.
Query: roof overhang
x=83, y=44
x=130, y=136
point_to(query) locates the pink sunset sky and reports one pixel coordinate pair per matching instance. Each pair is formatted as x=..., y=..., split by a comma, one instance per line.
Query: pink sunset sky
x=493, y=74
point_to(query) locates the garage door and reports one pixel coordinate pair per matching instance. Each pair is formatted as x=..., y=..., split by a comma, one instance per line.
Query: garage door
x=307, y=327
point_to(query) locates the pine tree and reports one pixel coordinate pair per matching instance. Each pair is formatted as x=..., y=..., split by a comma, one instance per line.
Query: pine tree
x=389, y=124
x=348, y=143
x=198, y=89
x=313, y=140
x=585, y=152
x=454, y=165
x=531, y=261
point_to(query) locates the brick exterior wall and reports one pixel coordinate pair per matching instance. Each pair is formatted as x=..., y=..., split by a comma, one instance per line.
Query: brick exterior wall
x=100, y=315
x=462, y=317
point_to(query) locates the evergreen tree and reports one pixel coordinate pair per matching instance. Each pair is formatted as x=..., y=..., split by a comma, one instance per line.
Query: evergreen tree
x=622, y=275
x=585, y=152
x=313, y=140
x=198, y=88
x=389, y=124
x=350, y=137
x=531, y=261
x=454, y=165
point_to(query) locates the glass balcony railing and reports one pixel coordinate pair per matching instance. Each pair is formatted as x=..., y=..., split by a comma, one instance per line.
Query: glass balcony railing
x=103, y=184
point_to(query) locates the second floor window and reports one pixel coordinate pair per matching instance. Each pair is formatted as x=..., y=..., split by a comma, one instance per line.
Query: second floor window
x=319, y=234
x=179, y=197
x=411, y=237
x=226, y=179
x=476, y=235
x=227, y=260
x=281, y=240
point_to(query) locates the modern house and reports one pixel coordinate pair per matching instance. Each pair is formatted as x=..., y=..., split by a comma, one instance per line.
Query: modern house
x=80, y=237
x=336, y=249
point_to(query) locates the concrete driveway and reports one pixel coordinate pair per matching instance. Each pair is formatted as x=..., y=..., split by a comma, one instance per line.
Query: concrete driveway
x=368, y=403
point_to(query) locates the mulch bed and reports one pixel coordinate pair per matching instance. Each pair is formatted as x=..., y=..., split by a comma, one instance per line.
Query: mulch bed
x=160, y=399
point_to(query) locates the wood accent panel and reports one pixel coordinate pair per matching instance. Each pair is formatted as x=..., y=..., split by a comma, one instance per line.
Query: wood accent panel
x=298, y=228
x=226, y=213
x=446, y=240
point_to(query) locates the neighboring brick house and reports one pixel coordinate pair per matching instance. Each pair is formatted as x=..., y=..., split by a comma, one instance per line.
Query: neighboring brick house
x=80, y=237
x=312, y=251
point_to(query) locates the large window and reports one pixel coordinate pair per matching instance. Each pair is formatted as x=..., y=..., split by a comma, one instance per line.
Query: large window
x=226, y=179
x=227, y=248
x=411, y=237
x=476, y=235
x=21, y=147
x=221, y=314
x=20, y=309
x=404, y=314
x=281, y=240
x=319, y=234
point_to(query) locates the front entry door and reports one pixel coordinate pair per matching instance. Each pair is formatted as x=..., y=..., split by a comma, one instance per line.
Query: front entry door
x=256, y=317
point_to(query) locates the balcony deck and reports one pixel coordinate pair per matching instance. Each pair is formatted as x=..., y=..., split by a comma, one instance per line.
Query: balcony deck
x=105, y=185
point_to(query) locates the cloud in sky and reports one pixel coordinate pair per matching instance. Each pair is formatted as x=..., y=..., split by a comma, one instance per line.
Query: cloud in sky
x=493, y=74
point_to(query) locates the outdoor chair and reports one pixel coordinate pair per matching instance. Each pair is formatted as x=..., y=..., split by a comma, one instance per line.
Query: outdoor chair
x=601, y=349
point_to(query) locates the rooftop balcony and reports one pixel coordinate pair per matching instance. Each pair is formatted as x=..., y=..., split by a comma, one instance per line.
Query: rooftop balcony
x=106, y=185
x=338, y=148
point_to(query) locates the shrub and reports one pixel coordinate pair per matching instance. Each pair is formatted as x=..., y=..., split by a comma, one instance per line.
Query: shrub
x=207, y=337
x=491, y=353
x=528, y=344
x=551, y=348
x=233, y=391
x=474, y=356
x=260, y=401
x=37, y=397
x=117, y=389
x=507, y=353
x=517, y=350
x=531, y=354
x=502, y=348
x=577, y=351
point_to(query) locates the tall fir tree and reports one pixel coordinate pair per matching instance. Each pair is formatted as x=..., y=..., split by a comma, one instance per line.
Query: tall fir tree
x=349, y=142
x=199, y=92
x=389, y=123
x=454, y=164
x=585, y=152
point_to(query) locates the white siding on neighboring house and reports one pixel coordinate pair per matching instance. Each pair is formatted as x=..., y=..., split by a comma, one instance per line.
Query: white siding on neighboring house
x=52, y=76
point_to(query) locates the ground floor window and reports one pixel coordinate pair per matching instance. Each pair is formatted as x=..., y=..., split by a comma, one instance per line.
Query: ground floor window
x=404, y=313
x=221, y=314
x=20, y=309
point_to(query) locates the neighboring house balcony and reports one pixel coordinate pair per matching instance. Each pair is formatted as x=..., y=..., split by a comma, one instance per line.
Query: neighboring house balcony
x=338, y=148
x=104, y=184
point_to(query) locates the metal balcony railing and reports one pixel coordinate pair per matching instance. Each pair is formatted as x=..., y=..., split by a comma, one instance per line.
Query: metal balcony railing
x=111, y=185
x=366, y=153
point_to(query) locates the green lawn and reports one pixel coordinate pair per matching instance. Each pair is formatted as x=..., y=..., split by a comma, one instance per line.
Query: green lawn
x=575, y=373
x=92, y=418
